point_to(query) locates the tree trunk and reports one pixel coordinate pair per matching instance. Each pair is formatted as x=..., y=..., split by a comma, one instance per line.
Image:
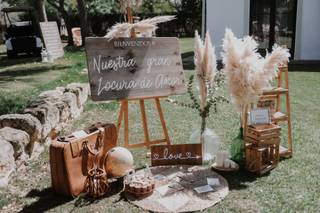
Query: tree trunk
x=66, y=19
x=60, y=8
x=69, y=31
x=41, y=8
x=83, y=19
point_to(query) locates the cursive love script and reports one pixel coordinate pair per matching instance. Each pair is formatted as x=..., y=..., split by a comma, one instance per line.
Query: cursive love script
x=174, y=156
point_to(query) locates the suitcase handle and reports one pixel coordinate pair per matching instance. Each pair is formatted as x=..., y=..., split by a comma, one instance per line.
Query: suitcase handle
x=98, y=145
x=94, y=127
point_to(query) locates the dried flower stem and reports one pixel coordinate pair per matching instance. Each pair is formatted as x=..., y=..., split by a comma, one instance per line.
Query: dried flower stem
x=209, y=81
x=247, y=73
x=145, y=27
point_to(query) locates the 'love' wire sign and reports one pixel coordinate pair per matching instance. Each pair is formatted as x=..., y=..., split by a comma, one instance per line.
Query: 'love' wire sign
x=133, y=68
x=180, y=154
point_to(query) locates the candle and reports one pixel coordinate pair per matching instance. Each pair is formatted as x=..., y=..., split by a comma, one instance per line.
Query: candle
x=226, y=163
x=233, y=165
x=221, y=156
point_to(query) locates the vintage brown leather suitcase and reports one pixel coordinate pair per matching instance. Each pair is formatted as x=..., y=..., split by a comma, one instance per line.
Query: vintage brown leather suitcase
x=73, y=156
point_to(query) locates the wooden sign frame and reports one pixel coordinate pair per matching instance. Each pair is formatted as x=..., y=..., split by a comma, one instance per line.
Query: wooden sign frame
x=134, y=68
x=51, y=38
x=178, y=154
x=166, y=47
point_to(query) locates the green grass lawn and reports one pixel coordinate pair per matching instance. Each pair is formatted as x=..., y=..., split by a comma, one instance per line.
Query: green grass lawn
x=22, y=79
x=293, y=186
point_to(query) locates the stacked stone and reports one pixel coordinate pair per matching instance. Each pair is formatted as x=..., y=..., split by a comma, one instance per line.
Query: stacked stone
x=22, y=136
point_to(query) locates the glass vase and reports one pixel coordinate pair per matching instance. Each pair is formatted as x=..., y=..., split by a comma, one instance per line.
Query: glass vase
x=210, y=144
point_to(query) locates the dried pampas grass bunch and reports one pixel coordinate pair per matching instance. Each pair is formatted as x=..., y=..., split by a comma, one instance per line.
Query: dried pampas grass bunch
x=145, y=28
x=247, y=73
x=209, y=80
x=205, y=64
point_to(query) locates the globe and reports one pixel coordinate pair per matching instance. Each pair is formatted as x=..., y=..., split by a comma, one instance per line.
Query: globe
x=119, y=162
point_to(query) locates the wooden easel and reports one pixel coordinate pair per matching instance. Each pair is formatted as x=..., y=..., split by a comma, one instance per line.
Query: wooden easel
x=124, y=113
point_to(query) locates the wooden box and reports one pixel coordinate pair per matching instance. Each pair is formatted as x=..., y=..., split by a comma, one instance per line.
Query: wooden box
x=263, y=132
x=267, y=103
x=262, y=148
x=261, y=159
x=263, y=142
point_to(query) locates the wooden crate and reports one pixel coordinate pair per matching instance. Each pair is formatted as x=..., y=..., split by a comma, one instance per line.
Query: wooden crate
x=261, y=159
x=263, y=132
x=263, y=142
x=268, y=102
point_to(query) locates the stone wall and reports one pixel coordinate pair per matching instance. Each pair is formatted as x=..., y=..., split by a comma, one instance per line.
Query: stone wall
x=22, y=136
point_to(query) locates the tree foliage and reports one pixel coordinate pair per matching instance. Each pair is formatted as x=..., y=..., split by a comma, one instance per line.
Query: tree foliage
x=156, y=7
x=98, y=15
x=101, y=7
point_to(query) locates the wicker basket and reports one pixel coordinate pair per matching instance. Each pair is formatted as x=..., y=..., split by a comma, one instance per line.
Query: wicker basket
x=140, y=189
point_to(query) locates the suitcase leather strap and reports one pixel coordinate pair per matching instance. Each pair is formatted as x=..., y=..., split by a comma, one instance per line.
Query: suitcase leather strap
x=96, y=183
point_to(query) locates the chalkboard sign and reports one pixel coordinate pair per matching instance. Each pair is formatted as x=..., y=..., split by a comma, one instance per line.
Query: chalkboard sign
x=51, y=38
x=133, y=68
x=179, y=154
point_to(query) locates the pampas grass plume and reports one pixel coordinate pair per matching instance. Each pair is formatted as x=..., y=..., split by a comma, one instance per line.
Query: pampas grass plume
x=146, y=27
x=209, y=62
x=247, y=73
x=205, y=64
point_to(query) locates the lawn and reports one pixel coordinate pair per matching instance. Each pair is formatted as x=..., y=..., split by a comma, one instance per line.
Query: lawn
x=22, y=79
x=294, y=186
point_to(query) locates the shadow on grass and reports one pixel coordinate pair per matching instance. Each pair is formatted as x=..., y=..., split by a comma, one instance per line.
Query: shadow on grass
x=237, y=180
x=47, y=200
x=85, y=200
x=30, y=71
x=21, y=59
x=74, y=49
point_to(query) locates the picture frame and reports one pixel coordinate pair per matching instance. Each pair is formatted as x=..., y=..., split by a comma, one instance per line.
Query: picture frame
x=259, y=116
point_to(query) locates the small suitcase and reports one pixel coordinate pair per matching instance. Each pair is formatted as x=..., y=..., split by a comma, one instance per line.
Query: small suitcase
x=73, y=156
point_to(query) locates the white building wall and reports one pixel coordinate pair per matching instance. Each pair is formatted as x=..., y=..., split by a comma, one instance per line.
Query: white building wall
x=307, y=45
x=221, y=14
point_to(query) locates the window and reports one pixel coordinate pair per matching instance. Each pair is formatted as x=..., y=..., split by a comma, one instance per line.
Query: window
x=273, y=21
